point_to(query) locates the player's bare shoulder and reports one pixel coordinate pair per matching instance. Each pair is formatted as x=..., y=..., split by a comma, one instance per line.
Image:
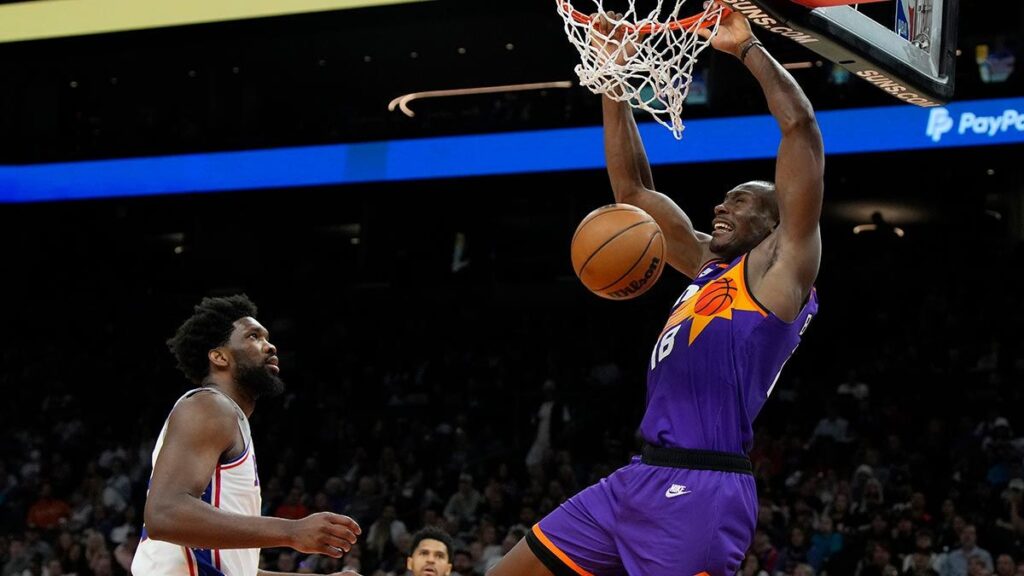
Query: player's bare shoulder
x=206, y=412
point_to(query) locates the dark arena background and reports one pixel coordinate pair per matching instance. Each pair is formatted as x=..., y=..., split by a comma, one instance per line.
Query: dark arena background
x=426, y=322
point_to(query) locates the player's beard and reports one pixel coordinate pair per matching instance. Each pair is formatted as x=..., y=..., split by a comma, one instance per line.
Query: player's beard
x=258, y=381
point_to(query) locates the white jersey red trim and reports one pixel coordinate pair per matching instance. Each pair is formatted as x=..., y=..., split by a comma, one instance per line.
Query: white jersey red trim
x=234, y=487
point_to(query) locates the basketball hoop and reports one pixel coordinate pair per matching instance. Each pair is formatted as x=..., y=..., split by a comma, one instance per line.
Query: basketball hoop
x=645, y=61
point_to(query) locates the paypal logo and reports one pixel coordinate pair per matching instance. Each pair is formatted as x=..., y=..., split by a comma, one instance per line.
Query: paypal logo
x=940, y=122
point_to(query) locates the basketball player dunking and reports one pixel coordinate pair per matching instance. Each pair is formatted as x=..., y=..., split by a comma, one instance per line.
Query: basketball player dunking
x=203, y=508
x=688, y=505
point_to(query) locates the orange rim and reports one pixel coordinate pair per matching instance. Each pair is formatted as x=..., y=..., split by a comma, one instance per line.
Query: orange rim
x=687, y=24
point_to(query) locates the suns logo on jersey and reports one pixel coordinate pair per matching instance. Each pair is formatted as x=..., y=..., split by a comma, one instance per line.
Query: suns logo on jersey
x=717, y=299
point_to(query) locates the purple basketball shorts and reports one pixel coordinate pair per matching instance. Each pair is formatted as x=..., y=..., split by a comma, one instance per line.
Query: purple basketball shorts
x=645, y=520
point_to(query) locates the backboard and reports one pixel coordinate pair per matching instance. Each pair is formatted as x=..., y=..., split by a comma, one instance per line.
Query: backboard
x=912, y=57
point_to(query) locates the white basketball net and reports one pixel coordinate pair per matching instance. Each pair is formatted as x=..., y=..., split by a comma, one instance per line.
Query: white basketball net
x=650, y=66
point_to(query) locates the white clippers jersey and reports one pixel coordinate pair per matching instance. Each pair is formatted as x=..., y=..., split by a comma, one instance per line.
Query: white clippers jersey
x=235, y=487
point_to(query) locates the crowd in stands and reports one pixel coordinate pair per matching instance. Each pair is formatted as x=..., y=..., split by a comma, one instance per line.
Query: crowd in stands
x=906, y=459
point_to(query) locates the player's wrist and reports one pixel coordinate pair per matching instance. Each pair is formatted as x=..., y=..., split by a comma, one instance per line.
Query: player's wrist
x=744, y=47
x=283, y=531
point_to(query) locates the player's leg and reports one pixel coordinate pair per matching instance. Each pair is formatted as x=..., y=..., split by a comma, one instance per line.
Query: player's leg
x=685, y=522
x=520, y=561
x=573, y=540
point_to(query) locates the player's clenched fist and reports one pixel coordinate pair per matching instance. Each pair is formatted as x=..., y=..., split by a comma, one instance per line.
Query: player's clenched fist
x=324, y=533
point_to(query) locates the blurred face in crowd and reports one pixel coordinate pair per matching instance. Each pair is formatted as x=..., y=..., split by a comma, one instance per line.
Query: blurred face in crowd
x=1004, y=565
x=976, y=566
x=968, y=536
x=825, y=525
x=750, y=565
x=430, y=558
x=796, y=537
x=841, y=503
x=463, y=563
x=880, y=556
x=948, y=508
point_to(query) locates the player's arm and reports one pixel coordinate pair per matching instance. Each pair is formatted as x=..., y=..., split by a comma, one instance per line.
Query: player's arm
x=789, y=260
x=632, y=183
x=199, y=431
x=799, y=188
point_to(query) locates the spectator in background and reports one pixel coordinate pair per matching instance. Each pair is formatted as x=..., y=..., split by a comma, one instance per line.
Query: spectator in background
x=117, y=491
x=384, y=532
x=877, y=562
x=832, y=426
x=839, y=511
x=1005, y=565
x=872, y=503
x=292, y=508
x=491, y=551
x=124, y=553
x=904, y=539
x=920, y=563
x=551, y=418
x=47, y=512
x=957, y=561
x=751, y=566
x=121, y=533
x=463, y=564
x=976, y=567
x=825, y=543
x=36, y=547
x=367, y=502
x=461, y=507
x=431, y=553
x=1010, y=525
x=18, y=559
x=924, y=546
x=767, y=554
x=795, y=552
x=853, y=386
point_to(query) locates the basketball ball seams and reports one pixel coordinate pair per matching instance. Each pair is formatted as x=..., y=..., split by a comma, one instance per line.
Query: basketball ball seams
x=609, y=241
x=619, y=247
x=638, y=260
x=593, y=217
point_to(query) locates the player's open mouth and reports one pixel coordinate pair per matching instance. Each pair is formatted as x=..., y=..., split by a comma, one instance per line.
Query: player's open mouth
x=722, y=226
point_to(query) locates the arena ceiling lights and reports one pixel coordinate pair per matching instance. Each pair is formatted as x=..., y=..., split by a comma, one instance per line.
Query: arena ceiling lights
x=60, y=18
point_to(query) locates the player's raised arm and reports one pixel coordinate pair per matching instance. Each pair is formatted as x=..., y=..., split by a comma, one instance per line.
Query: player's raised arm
x=791, y=259
x=200, y=430
x=632, y=182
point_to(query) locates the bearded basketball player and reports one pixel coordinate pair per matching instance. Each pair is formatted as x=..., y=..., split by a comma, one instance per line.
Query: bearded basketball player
x=202, y=513
x=688, y=505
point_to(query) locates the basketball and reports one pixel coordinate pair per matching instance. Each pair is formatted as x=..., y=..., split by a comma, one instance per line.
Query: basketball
x=618, y=251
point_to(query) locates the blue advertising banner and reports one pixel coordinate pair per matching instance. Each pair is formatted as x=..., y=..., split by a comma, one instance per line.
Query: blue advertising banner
x=864, y=130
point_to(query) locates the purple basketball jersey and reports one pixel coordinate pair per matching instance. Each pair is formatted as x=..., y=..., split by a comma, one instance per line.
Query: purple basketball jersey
x=716, y=362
